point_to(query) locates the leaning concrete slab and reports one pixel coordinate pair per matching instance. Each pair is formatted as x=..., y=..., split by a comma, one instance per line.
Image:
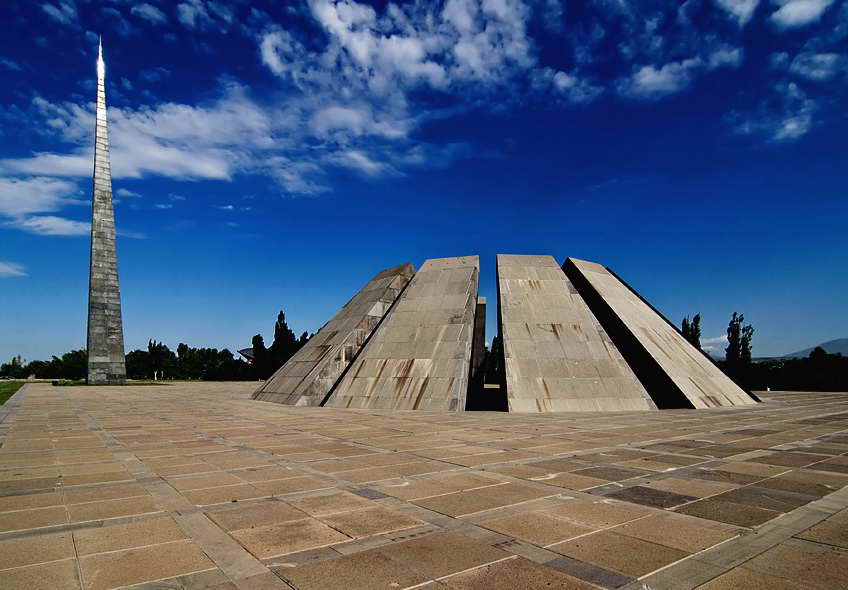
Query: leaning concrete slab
x=307, y=377
x=557, y=356
x=419, y=356
x=676, y=374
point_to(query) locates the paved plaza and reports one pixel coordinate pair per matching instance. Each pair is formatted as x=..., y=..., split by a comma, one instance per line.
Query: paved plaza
x=196, y=486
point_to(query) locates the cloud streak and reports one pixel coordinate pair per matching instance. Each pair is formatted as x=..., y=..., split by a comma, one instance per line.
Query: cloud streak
x=11, y=269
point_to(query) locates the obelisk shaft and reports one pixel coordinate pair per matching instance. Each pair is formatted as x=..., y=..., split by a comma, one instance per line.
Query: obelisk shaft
x=105, y=329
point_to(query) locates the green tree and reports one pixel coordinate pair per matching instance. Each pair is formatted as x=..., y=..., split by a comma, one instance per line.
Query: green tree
x=686, y=329
x=74, y=365
x=261, y=358
x=160, y=360
x=14, y=368
x=285, y=343
x=695, y=331
x=137, y=364
x=818, y=354
x=734, y=341
x=745, y=346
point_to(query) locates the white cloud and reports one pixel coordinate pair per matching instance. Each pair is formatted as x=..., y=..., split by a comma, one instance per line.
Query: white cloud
x=725, y=56
x=208, y=15
x=786, y=115
x=10, y=65
x=568, y=88
x=714, y=346
x=798, y=13
x=193, y=14
x=741, y=10
x=779, y=60
x=174, y=140
x=20, y=197
x=362, y=163
x=64, y=12
x=122, y=192
x=149, y=13
x=11, y=269
x=225, y=207
x=818, y=67
x=273, y=47
x=50, y=225
x=163, y=206
x=650, y=82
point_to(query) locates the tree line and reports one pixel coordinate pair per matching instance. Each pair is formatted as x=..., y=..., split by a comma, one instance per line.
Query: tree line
x=818, y=372
x=160, y=362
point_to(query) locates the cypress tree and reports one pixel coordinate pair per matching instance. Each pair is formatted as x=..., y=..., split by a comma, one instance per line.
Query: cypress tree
x=695, y=331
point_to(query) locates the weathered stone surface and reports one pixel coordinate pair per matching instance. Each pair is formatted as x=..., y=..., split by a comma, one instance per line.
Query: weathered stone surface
x=557, y=357
x=419, y=356
x=307, y=378
x=105, y=329
x=675, y=373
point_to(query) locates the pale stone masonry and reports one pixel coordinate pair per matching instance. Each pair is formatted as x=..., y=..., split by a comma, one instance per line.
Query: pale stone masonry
x=558, y=358
x=310, y=374
x=676, y=374
x=418, y=358
x=105, y=329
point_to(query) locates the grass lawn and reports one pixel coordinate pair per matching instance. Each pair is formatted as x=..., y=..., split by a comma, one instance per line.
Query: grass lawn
x=8, y=389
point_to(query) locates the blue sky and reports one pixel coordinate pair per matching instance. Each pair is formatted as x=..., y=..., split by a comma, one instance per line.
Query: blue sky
x=274, y=155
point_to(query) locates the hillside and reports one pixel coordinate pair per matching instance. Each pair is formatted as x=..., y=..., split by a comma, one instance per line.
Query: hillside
x=840, y=345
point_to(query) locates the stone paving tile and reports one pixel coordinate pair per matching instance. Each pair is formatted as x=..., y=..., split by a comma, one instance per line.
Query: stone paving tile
x=809, y=565
x=539, y=528
x=132, y=481
x=425, y=488
x=833, y=531
x=288, y=537
x=597, y=514
x=107, y=492
x=126, y=536
x=651, y=497
x=280, y=487
x=611, y=473
x=678, y=532
x=251, y=516
x=512, y=574
x=370, y=521
x=37, y=549
x=331, y=503
x=624, y=554
x=689, y=487
x=359, y=571
x=570, y=481
x=745, y=579
x=112, y=509
x=729, y=512
x=104, y=571
x=29, y=501
x=480, y=499
x=223, y=494
x=58, y=575
x=30, y=519
x=442, y=554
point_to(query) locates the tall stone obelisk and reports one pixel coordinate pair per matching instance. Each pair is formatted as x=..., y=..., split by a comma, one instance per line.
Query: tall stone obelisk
x=105, y=329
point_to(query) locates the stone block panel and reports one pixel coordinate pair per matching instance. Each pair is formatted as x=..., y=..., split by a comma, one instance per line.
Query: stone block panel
x=557, y=356
x=307, y=378
x=419, y=356
x=676, y=374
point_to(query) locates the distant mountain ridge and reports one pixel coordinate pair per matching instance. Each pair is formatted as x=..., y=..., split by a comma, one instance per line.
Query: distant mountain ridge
x=831, y=346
